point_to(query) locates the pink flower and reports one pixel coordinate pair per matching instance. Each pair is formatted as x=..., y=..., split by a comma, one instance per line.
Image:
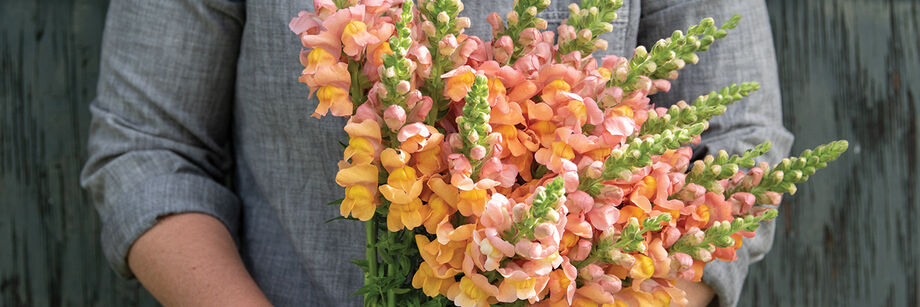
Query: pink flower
x=395, y=117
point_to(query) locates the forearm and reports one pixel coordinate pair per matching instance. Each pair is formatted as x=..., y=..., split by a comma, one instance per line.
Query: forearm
x=190, y=259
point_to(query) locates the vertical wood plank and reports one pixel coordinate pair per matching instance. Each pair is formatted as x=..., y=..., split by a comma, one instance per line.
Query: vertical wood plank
x=50, y=254
x=849, y=69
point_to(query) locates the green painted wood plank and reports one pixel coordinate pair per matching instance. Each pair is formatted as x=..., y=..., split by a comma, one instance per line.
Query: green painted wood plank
x=50, y=255
x=849, y=69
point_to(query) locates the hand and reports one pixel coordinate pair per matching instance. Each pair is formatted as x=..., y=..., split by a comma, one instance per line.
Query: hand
x=698, y=293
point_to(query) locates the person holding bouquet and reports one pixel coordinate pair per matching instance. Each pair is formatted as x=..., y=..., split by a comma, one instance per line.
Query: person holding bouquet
x=210, y=178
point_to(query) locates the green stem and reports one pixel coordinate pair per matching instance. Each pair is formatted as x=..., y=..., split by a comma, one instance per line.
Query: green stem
x=391, y=270
x=370, y=252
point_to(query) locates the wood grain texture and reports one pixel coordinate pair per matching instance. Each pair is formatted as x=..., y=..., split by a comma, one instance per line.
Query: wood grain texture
x=49, y=232
x=849, y=69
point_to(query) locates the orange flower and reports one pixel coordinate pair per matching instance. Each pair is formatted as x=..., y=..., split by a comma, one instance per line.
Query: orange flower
x=429, y=282
x=445, y=260
x=402, y=186
x=551, y=90
x=318, y=58
x=408, y=215
x=438, y=210
x=335, y=98
x=473, y=291
x=355, y=37
x=430, y=162
x=472, y=202
x=359, y=202
x=459, y=82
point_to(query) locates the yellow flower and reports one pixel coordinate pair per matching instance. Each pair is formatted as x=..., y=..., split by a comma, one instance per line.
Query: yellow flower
x=359, y=202
x=408, y=215
x=334, y=98
x=360, y=150
x=445, y=260
x=623, y=110
x=467, y=294
x=472, y=202
x=318, y=58
x=604, y=72
x=431, y=284
x=355, y=37
x=384, y=48
x=356, y=174
x=393, y=159
x=402, y=186
x=579, y=110
x=438, y=209
x=642, y=270
x=430, y=162
x=457, y=86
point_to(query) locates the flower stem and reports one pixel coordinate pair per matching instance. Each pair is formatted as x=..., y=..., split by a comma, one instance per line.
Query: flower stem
x=391, y=270
x=370, y=252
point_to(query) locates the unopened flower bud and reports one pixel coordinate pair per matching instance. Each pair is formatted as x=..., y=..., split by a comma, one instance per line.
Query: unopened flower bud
x=552, y=216
x=600, y=44
x=544, y=230
x=443, y=18
x=389, y=72
x=473, y=137
x=531, y=11
x=395, y=117
x=402, y=87
x=512, y=18
x=463, y=22
x=540, y=24
x=584, y=35
x=641, y=53
x=704, y=255
x=493, y=138
x=573, y=8
x=607, y=27
x=478, y=152
x=454, y=141
x=594, y=170
x=429, y=28
x=519, y=212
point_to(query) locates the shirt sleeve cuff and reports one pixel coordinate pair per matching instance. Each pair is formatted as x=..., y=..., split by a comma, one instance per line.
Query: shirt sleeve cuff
x=156, y=197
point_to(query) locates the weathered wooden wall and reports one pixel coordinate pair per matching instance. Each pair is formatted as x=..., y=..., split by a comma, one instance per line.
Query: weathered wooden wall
x=49, y=232
x=849, y=70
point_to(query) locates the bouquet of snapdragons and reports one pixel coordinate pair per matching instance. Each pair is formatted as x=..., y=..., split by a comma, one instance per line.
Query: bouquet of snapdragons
x=522, y=170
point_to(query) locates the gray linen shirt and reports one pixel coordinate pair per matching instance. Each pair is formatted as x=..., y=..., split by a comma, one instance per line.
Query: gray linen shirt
x=192, y=93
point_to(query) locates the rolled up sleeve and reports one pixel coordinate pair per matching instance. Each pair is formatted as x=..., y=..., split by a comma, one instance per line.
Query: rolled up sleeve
x=160, y=133
x=746, y=54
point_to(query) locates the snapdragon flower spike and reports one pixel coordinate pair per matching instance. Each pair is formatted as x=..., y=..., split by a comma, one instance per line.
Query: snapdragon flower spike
x=708, y=171
x=396, y=67
x=638, y=152
x=589, y=21
x=632, y=236
x=473, y=124
x=718, y=235
x=784, y=175
x=543, y=209
x=671, y=54
x=438, y=21
x=631, y=239
x=703, y=109
x=521, y=17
